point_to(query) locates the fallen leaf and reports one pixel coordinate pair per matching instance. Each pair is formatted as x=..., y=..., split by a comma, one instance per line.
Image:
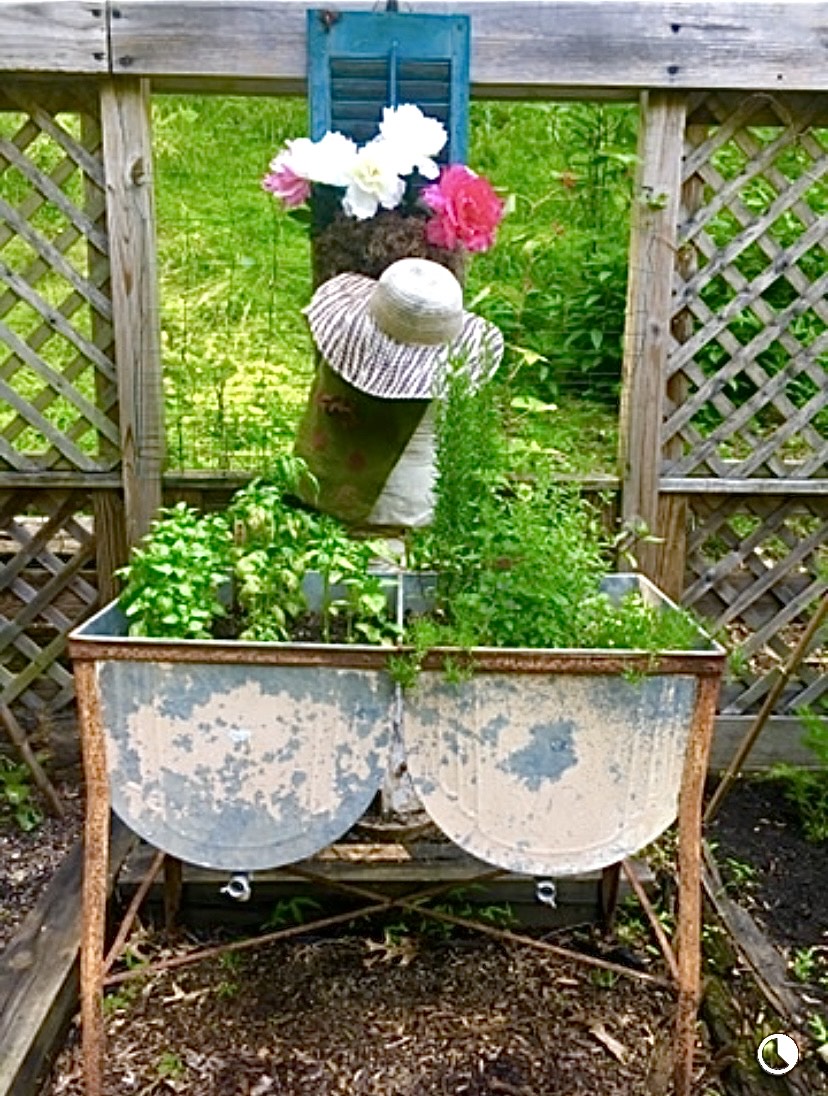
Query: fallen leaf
x=400, y=949
x=178, y=994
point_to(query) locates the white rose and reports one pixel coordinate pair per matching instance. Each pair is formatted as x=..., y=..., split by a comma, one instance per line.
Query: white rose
x=374, y=181
x=414, y=137
x=328, y=160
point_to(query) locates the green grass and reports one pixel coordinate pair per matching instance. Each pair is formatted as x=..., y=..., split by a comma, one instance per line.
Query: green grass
x=234, y=276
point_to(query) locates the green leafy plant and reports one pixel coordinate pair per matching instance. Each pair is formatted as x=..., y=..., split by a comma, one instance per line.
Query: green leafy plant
x=175, y=574
x=519, y=563
x=17, y=796
x=291, y=911
x=741, y=875
x=807, y=789
x=809, y=965
x=244, y=572
x=818, y=1027
x=171, y=1066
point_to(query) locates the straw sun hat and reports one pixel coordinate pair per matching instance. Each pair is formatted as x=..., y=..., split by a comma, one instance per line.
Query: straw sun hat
x=392, y=338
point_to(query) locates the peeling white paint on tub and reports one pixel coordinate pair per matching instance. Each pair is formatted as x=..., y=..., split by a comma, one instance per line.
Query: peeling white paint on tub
x=552, y=775
x=244, y=767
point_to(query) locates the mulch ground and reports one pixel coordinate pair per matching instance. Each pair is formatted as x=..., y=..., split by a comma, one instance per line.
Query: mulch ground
x=28, y=860
x=357, y=1015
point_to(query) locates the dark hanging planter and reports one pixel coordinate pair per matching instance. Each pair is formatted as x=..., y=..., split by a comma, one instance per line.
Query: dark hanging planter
x=368, y=247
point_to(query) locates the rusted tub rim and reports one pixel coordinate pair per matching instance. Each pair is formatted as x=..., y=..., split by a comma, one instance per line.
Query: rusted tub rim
x=704, y=661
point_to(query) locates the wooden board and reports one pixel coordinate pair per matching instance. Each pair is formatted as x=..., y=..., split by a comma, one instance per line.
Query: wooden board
x=392, y=869
x=54, y=37
x=779, y=741
x=127, y=142
x=39, y=972
x=518, y=49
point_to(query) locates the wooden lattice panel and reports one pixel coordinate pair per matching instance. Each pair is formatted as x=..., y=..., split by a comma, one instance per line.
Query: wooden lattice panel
x=58, y=396
x=757, y=568
x=47, y=587
x=748, y=387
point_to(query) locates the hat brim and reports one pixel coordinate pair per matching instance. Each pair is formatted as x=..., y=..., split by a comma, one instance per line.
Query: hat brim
x=352, y=344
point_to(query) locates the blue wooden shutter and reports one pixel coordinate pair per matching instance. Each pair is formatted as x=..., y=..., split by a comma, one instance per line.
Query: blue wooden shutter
x=360, y=62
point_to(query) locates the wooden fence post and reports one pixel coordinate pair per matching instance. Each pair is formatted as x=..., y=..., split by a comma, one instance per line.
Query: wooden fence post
x=127, y=143
x=647, y=333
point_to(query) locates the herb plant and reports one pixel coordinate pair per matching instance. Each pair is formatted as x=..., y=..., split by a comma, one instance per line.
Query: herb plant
x=174, y=576
x=244, y=572
x=807, y=789
x=519, y=564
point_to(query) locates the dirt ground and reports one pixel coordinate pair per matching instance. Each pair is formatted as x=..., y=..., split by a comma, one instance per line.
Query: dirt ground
x=378, y=1014
x=786, y=883
x=28, y=860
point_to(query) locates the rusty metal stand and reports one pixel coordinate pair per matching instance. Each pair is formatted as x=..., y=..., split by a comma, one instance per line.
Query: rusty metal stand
x=96, y=855
x=685, y=968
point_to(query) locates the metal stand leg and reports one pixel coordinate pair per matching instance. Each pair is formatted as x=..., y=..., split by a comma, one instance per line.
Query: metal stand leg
x=96, y=855
x=688, y=929
x=608, y=895
x=173, y=882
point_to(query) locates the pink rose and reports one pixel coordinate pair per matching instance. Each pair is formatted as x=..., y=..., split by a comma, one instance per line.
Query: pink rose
x=467, y=210
x=283, y=181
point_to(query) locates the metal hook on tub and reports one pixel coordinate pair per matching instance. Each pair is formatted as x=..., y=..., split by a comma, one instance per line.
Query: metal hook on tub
x=546, y=892
x=238, y=887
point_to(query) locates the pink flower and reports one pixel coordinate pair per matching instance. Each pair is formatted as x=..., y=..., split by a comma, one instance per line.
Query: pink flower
x=283, y=181
x=467, y=210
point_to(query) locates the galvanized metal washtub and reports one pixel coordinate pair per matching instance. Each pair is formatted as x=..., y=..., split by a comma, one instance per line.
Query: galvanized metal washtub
x=555, y=762
x=243, y=756
x=238, y=756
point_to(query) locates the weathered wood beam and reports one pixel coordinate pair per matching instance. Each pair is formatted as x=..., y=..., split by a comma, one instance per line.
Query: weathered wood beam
x=647, y=328
x=67, y=37
x=39, y=971
x=703, y=485
x=565, y=47
x=127, y=144
x=525, y=48
x=780, y=741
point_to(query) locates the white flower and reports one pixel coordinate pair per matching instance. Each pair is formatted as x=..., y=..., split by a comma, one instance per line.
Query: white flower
x=374, y=181
x=334, y=156
x=327, y=161
x=414, y=138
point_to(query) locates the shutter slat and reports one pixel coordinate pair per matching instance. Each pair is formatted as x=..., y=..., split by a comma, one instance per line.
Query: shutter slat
x=357, y=88
x=425, y=70
x=425, y=93
x=363, y=67
x=356, y=110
